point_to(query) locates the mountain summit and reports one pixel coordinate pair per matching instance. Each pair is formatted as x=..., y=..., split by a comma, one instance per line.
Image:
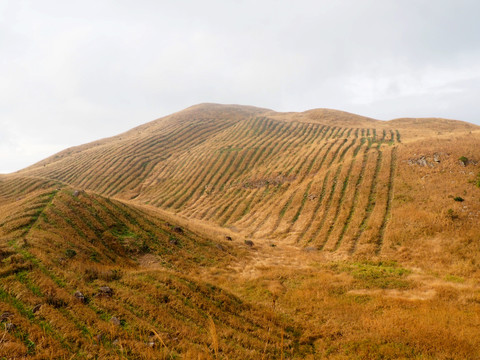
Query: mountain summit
x=229, y=231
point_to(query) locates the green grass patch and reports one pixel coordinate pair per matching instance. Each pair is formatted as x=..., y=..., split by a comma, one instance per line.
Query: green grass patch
x=454, y=279
x=122, y=231
x=382, y=274
x=24, y=279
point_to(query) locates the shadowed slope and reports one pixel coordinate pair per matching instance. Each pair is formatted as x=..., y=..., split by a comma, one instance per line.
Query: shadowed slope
x=55, y=242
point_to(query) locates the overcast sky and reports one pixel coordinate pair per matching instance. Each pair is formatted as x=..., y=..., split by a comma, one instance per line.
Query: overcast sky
x=76, y=71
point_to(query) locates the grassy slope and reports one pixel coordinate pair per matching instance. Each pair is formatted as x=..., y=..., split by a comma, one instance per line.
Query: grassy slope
x=397, y=276
x=55, y=242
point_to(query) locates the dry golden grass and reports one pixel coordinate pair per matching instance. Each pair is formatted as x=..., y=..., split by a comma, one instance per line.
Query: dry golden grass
x=362, y=249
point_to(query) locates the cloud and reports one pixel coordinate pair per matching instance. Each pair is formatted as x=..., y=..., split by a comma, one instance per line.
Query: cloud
x=75, y=72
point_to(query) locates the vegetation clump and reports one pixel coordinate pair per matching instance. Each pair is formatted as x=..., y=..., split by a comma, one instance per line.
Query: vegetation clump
x=451, y=214
x=463, y=160
x=458, y=198
x=70, y=253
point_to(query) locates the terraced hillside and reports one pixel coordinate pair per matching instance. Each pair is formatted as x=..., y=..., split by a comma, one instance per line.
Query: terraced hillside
x=322, y=178
x=366, y=241
x=82, y=274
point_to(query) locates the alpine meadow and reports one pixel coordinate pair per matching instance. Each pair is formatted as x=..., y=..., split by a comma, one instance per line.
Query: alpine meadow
x=237, y=232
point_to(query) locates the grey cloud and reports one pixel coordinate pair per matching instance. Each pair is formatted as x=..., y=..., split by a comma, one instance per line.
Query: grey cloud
x=77, y=71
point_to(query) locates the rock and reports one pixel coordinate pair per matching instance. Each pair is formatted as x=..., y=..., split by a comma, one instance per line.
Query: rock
x=105, y=291
x=6, y=316
x=436, y=158
x=220, y=247
x=99, y=337
x=422, y=161
x=36, y=308
x=178, y=229
x=9, y=326
x=173, y=241
x=76, y=193
x=249, y=243
x=115, y=321
x=229, y=238
x=80, y=297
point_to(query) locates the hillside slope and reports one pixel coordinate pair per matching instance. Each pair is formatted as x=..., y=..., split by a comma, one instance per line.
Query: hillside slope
x=322, y=178
x=366, y=240
x=82, y=274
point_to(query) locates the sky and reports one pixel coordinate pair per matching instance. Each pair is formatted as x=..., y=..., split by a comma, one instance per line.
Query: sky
x=75, y=71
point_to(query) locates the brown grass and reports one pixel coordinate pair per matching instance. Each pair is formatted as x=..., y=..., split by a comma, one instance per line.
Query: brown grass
x=396, y=277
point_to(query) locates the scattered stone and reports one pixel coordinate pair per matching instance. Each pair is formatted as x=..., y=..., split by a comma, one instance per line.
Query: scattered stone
x=436, y=158
x=421, y=161
x=312, y=197
x=220, y=247
x=9, y=326
x=36, y=308
x=249, y=243
x=173, y=241
x=76, y=193
x=80, y=297
x=99, y=337
x=105, y=291
x=115, y=321
x=6, y=316
x=229, y=238
x=178, y=229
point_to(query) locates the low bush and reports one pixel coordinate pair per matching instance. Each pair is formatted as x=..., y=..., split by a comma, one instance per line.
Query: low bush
x=70, y=253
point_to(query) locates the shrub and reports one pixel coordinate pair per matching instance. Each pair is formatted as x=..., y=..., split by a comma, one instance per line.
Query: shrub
x=94, y=256
x=458, y=198
x=144, y=247
x=463, y=160
x=451, y=214
x=70, y=253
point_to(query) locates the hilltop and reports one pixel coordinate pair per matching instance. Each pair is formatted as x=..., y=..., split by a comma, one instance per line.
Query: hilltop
x=364, y=239
x=321, y=178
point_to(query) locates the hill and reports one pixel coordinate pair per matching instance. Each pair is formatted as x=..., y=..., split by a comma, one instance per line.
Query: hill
x=365, y=239
x=322, y=178
x=87, y=275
